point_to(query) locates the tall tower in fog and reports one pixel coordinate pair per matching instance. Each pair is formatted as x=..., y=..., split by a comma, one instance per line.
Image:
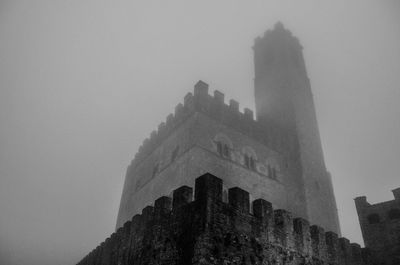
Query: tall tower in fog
x=283, y=97
x=276, y=157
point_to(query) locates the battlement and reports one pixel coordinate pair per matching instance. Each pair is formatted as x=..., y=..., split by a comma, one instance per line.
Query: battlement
x=228, y=114
x=207, y=230
x=361, y=201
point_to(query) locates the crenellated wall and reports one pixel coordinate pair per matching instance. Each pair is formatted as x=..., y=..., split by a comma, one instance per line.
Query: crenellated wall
x=186, y=145
x=228, y=114
x=207, y=230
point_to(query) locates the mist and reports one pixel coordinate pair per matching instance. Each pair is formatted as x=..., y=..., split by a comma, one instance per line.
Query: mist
x=83, y=83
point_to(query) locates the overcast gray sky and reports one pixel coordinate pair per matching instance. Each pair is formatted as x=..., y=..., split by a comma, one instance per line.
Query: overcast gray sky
x=82, y=83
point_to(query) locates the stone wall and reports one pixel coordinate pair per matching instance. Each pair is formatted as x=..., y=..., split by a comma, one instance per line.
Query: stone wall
x=380, y=226
x=207, y=230
x=187, y=145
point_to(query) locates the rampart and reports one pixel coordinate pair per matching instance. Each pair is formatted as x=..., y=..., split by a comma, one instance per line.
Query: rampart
x=207, y=230
x=228, y=114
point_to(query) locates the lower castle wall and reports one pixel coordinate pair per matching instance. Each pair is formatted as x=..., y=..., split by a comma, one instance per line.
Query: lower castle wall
x=180, y=231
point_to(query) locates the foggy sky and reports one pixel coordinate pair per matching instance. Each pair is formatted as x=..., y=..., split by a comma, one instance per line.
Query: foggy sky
x=83, y=83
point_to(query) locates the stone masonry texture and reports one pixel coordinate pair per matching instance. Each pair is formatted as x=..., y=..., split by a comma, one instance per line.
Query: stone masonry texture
x=207, y=230
x=380, y=227
x=192, y=135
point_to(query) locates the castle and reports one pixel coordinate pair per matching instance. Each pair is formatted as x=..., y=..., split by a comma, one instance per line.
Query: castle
x=274, y=160
x=277, y=156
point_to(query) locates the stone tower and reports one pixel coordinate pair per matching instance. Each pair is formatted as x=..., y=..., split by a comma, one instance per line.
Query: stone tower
x=277, y=157
x=380, y=227
x=283, y=97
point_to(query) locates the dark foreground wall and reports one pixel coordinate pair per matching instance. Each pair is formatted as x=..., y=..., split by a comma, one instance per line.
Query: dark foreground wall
x=210, y=231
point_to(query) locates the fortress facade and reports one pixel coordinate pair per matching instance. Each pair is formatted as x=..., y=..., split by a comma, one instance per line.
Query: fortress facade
x=275, y=156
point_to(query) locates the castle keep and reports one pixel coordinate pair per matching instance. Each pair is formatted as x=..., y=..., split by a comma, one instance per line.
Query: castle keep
x=276, y=156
